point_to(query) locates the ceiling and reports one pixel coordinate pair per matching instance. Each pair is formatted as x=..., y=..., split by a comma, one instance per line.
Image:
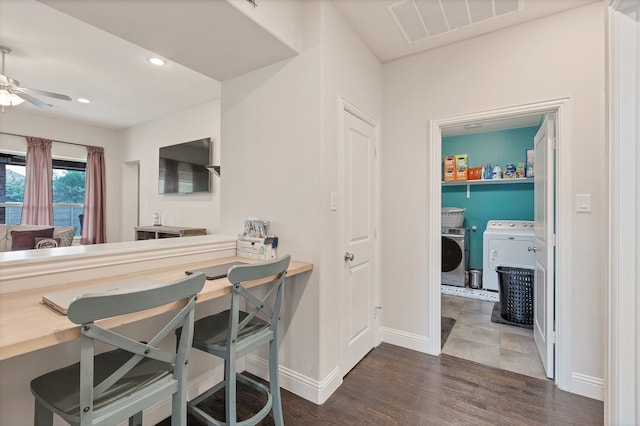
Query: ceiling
x=487, y=126
x=373, y=20
x=98, y=49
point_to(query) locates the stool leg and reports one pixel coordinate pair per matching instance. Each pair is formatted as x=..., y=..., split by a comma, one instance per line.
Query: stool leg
x=42, y=416
x=230, y=389
x=179, y=407
x=274, y=383
x=136, y=419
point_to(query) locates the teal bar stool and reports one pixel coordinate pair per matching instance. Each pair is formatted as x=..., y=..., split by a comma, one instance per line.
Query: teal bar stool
x=113, y=386
x=234, y=333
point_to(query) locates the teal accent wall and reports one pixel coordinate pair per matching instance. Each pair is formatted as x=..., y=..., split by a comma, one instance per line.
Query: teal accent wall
x=487, y=202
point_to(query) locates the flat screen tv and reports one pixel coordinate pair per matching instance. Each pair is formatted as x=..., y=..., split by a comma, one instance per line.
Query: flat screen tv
x=182, y=167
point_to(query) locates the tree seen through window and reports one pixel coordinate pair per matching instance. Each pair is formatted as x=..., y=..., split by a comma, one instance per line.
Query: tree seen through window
x=68, y=185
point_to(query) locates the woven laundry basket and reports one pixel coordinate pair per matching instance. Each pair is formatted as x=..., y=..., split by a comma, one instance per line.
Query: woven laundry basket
x=452, y=217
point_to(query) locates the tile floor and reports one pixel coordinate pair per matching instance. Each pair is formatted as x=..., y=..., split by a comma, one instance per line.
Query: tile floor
x=474, y=337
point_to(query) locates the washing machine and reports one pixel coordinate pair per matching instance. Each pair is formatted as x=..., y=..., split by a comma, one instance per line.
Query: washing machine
x=506, y=243
x=455, y=256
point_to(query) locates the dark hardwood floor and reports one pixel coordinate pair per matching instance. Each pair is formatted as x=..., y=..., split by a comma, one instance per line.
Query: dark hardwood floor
x=397, y=386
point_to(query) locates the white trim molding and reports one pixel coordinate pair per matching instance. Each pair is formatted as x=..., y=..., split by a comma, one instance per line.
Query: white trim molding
x=589, y=386
x=305, y=387
x=622, y=391
x=411, y=341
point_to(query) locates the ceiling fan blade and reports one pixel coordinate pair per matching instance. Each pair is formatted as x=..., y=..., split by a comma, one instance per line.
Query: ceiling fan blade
x=27, y=97
x=49, y=94
x=4, y=80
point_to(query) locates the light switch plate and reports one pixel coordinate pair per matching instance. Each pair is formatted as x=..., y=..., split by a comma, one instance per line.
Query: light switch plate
x=583, y=203
x=333, y=205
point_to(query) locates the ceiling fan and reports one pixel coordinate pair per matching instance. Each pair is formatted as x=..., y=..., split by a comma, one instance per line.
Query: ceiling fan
x=12, y=94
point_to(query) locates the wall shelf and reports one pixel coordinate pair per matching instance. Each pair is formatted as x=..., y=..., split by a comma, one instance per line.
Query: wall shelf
x=470, y=183
x=488, y=182
x=158, y=231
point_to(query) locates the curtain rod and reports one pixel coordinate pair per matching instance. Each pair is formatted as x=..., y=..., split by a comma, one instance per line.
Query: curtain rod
x=25, y=136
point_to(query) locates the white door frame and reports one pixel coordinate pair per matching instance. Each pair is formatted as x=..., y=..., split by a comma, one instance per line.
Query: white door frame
x=623, y=134
x=563, y=272
x=130, y=214
x=344, y=105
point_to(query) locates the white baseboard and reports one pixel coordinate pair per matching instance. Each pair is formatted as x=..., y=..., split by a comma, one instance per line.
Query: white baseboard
x=589, y=386
x=305, y=387
x=415, y=342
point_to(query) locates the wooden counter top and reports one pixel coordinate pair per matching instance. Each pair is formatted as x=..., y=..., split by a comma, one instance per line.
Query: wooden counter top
x=27, y=324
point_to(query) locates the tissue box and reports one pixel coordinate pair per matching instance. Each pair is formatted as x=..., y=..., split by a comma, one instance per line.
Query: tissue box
x=257, y=248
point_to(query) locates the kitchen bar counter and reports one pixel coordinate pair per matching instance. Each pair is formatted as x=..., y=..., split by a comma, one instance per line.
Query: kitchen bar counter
x=27, y=324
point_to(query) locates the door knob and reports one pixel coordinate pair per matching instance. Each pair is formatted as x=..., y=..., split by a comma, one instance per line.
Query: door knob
x=533, y=249
x=349, y=257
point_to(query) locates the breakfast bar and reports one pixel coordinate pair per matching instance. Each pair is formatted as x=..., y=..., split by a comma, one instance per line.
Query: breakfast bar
x=36, y=339
x=27, y=324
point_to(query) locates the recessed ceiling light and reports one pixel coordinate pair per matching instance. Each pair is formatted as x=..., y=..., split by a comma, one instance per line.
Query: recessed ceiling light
x=157, y=61
x=83, y=100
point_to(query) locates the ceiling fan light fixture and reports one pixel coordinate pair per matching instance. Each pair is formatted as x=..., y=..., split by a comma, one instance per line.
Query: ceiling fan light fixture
x=9, y=99
x=83, y=100
x=9, y=87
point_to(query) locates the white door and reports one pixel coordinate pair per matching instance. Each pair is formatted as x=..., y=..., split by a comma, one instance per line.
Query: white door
x=544, y=246
x=358, y=219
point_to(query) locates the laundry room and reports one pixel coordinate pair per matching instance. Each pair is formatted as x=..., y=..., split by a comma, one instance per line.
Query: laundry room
x=487, y=238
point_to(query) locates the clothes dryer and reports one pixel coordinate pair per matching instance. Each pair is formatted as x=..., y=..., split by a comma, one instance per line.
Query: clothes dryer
x=455, y=256
x=506, y=243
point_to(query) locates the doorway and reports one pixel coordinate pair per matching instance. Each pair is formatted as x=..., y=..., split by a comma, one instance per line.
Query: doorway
x=499, y=226
x=559, y=273
x=130, y=199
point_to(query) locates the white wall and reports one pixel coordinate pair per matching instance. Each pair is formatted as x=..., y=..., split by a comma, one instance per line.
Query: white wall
x=33, y=124
x=555, y=57
x=279, y=155
x=351, y=73
x=140, y=144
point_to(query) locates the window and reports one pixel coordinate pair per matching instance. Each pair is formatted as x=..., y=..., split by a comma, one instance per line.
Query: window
x=68, y=190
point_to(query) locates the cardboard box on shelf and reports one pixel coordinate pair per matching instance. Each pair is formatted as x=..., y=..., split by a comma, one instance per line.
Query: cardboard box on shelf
x=461, y=167
x=475, y=173
x=529, y=165
x=449, y=168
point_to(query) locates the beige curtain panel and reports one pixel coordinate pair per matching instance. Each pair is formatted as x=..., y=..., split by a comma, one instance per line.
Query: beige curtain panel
x=37, y=205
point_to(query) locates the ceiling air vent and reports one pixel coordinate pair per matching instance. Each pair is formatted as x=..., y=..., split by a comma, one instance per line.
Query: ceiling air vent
x=419, y=20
